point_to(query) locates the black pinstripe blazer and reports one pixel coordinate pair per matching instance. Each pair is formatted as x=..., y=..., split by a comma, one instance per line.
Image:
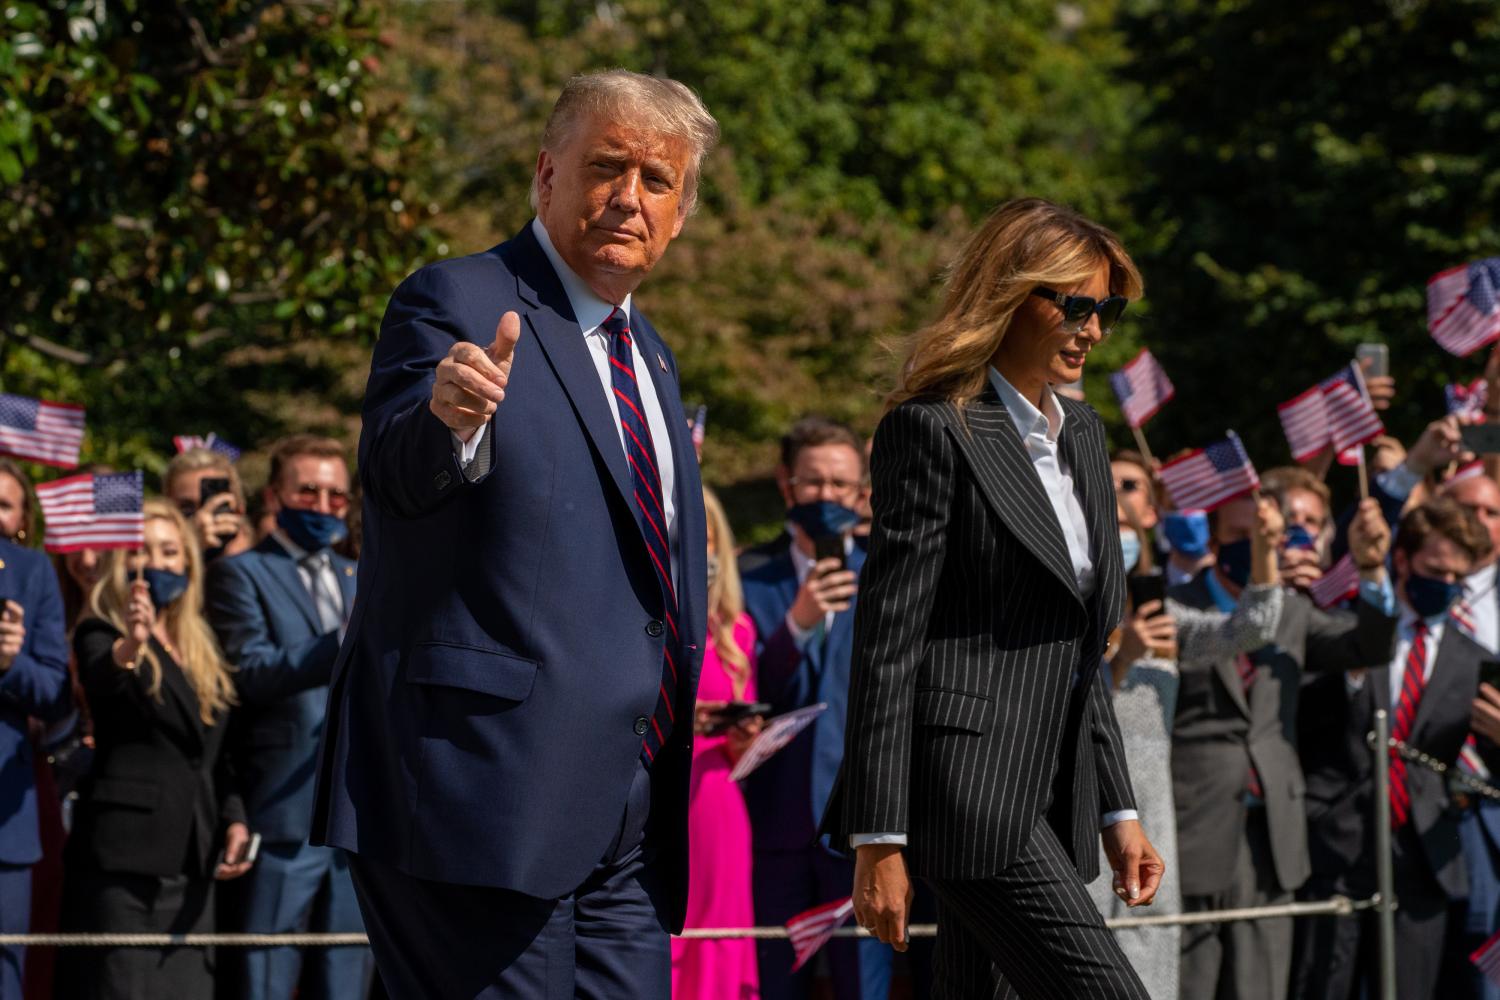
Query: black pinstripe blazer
x=975, y=701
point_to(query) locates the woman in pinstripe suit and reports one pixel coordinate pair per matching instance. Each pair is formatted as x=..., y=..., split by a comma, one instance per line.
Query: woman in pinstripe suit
x=982, y=749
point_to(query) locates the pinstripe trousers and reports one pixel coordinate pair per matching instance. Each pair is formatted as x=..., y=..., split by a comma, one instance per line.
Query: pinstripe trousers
x=1030, y=932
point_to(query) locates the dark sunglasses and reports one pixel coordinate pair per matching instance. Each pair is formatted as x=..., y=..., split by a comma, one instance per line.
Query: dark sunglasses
x=1077, y=309
x=1130, y=485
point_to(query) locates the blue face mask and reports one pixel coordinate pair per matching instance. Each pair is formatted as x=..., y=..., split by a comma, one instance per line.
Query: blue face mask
x=1429, y=597
x=1234, y=561
x=311, y=530
x=1187, y=532
x=165, y=586
x=1298, y=537
x=1130, y=548
x=823, y=518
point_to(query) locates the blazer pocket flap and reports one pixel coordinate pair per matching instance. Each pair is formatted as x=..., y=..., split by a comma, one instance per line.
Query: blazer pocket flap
x=952, y=709
x=486, y=671
x=126, y=792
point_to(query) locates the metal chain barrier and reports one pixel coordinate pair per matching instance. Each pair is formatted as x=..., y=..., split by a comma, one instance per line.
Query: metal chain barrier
x=1454, y=775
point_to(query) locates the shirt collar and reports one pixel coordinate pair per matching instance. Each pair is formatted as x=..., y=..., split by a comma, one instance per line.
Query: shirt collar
x=1029, y=420
x=1222, y=598
x=590, y=310
x=297, y=552
x=1480, y=582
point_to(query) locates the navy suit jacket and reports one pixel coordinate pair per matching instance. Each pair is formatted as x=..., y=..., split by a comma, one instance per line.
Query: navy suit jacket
x=507, y=639
x=787, y=795
x=36, y=684
x=268, y=624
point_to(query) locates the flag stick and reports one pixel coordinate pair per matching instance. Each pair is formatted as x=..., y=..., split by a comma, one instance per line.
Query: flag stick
x=1140, y=442
x=1364, y=476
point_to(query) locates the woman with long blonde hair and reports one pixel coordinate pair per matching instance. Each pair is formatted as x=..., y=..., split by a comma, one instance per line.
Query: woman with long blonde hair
x=719, y=893
x=157, y=819
x=980, y=743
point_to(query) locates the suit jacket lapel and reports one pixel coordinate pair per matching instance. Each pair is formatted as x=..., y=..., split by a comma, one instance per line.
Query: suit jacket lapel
x=282, y=569
x=1446, y=682
x=344, y=569
x=556, y=330
x=175, y=682
x=1229, y=673
x=1011, y=485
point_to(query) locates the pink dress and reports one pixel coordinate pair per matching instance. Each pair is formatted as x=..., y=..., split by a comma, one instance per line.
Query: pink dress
x=718, y=855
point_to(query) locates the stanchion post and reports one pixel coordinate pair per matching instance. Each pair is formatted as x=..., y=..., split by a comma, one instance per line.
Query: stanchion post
x=1385, y=877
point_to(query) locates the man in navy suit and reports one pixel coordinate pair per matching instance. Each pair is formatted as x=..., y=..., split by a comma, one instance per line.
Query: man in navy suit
x=510, y=724
x=803, y=609
x=33, y=681
x=279, y=610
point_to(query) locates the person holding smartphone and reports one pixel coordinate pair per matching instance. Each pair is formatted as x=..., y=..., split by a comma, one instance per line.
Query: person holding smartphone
x=159, y=818
x=205, y=486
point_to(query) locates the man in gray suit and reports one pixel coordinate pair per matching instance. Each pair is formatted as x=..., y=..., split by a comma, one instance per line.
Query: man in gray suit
x=1242, y=828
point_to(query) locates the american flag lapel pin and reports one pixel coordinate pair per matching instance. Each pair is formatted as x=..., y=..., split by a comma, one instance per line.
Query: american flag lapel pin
x=663, y=362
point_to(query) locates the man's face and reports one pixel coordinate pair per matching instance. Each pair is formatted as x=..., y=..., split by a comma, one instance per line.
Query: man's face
x=1133, y=493
x=1305, y=509
x=611, y=197
x=185, y=489
x=824, y=472
x=312, y=482
x=1482, y=496
x=1438, y=557
x=1234, y=522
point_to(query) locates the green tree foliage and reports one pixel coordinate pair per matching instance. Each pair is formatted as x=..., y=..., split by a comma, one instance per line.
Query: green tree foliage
x=1300, y=179
x=202, y=214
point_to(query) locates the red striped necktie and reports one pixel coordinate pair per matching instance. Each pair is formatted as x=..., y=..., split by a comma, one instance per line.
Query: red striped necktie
x=1413, y=681
x=645, y=483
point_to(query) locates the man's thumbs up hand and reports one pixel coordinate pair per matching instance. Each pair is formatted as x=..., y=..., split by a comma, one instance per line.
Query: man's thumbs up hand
x=471, y=381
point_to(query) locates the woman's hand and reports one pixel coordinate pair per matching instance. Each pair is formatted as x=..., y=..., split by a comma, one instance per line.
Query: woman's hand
x=882, y=893
x=1149, y=630
x=216, y=522
x=703, y=715
x=12, y=633
x=140, y=616
x=236, y=846
x=740, y=736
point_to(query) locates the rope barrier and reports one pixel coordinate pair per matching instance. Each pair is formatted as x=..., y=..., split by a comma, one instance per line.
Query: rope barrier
x=1336, y=906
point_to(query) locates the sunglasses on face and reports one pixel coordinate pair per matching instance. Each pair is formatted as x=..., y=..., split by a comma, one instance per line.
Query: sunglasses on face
x=1077, y=309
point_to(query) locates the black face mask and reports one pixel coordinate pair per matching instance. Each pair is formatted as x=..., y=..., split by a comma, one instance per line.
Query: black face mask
x=1234, y=561
x=1429, y=597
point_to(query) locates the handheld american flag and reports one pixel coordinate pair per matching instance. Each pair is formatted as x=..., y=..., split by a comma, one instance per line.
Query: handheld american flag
x=93, y=512
x=700, y=428
x=1142, y=387
x=211, y=442
x=811, y=929
x=1466, y=400
x=51, y=433
x=1208, y=477
x=778, y=732
x=1340, y=583
x=1352, y=419
x=1487, y=958
x=1463, y=306
x=1469, y=470
x=1304, y=419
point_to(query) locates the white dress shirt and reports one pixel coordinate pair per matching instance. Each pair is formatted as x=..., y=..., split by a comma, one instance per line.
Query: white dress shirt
x=802, y=565
x=323, y=587
x=591, y=312
x=1040, y=431
x=1484, y=607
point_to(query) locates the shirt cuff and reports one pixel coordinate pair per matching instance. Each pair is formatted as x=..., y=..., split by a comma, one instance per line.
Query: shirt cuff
x=1354, y=683
x=467, y=453
x=857, y=840
x=1398, y=482
x=1118, y=816
x=1379, y=595
x=801, y=636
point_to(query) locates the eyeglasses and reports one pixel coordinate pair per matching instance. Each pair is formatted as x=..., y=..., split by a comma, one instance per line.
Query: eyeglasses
x=815, y=485
x=1130, y=485
x=1077, y=309
x=308, y=494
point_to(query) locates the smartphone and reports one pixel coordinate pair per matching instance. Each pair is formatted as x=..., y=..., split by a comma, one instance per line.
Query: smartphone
x=1489, y=673
x=210, y=487
x=252, y=851
x=720, y=721
x=1146, y=587
x=1379, y=357
x=830, y=547
x=1481, y=439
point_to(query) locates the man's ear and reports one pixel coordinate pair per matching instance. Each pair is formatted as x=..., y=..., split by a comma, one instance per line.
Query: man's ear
x=784, y=484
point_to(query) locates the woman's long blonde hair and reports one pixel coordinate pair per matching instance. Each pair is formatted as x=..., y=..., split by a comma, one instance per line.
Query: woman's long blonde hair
x=1025, y=243
x=197, y=650
x=726, y=601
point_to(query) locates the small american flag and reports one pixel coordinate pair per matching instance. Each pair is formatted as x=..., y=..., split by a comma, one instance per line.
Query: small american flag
x=1487, y=958
x=1352, y=419
x=1304, y=419
x=51, y=433
x=811, y=929
x=1142, y=387
x=1469, y=470
x=700, y=428
x=777, y=733
x=1463, y=306
x=1466, y=400
x=1208, y=477
x=93, y=512
x=211, y=442
x=1469, y=759
x=1336, y=586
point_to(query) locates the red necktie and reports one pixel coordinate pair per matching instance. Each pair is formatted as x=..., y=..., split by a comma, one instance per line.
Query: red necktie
x=645, y=484
x=1413, y=680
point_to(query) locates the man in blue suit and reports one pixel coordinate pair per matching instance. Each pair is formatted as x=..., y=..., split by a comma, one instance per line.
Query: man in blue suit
x=279, y=611
x=510, y=725
x=803, y=609
x=33, y=681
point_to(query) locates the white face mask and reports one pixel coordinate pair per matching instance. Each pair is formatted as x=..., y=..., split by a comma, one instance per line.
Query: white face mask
x=1130, y=547
x=713, y=568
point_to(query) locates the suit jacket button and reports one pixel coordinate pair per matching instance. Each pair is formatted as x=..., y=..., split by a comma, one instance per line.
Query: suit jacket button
x=640, y=726
x=442, y=479
x=654, y=629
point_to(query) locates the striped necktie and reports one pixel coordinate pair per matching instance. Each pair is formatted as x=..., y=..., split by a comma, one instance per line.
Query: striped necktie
x=1413, y=680
x=1463, y=616
x=645, y=484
